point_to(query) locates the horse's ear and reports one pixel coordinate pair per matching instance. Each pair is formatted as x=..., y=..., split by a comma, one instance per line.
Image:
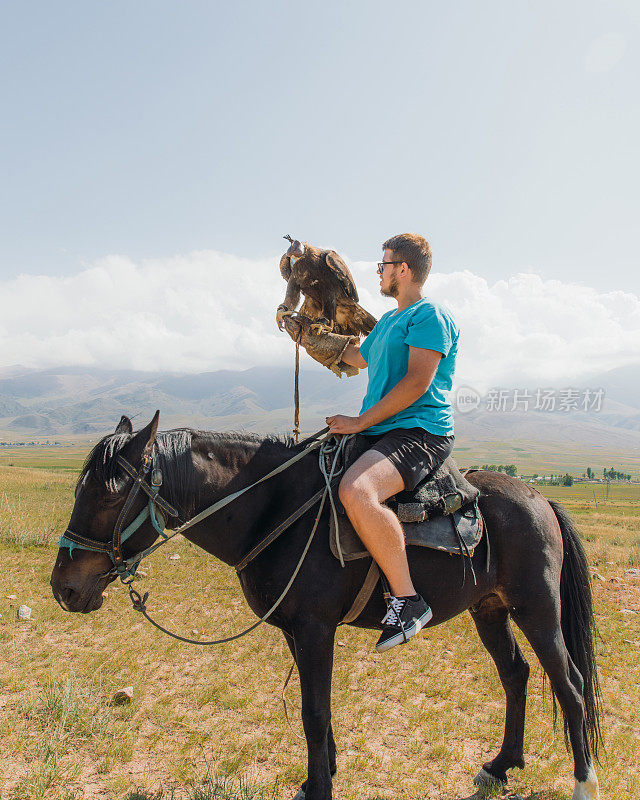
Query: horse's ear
x=124, y=426
x=141, y=446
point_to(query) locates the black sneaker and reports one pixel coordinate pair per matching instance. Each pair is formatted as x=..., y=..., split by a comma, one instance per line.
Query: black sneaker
x=404, y=618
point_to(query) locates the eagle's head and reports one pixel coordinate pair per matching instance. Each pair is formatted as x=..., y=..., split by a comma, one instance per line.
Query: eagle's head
x=296, y=249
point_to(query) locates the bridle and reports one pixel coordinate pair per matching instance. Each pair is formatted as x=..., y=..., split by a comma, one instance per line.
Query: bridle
x=157, y=510
x=125, y=569
x=330, y=448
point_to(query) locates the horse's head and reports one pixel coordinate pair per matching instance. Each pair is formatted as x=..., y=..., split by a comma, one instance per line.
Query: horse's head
x=80, y=575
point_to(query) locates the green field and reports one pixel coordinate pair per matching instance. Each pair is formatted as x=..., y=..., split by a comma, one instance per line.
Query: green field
x=542, y=458
x=545, y=458
x=65, y=457
x=209, y=723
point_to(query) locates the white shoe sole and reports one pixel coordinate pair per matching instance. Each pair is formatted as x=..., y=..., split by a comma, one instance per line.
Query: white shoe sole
x=409, y=632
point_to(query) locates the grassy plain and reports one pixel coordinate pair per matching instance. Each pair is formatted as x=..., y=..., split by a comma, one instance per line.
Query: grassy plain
x=545, y=458
x=209, y=723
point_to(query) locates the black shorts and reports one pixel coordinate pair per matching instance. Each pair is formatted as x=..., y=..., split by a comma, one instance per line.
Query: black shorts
x=414, y=452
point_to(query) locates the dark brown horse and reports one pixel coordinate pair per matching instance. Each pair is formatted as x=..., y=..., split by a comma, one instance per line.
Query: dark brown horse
x=537, y=575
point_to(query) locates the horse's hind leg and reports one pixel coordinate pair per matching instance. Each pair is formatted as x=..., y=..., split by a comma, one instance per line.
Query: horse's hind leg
x=545, y=636
x=331, y=744
x=492, y=622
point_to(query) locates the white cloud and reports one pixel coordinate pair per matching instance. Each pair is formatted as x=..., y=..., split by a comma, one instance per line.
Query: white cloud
x=209, y=310
x=605, y=52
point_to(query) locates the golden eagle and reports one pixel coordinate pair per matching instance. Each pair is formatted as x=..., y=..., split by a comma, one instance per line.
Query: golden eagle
x=330, y=295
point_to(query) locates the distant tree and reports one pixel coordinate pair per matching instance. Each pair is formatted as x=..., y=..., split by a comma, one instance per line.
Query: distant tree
x=567, y=480
x=590, y=474
x=508, y=469
x=615, y=475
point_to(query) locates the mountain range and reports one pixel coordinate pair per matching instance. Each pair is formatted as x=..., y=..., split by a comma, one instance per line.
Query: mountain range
x=78, y=403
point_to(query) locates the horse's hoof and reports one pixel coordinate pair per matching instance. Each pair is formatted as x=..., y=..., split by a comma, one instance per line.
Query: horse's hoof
x=587, y=790
x=300, y=795
x=484, y=778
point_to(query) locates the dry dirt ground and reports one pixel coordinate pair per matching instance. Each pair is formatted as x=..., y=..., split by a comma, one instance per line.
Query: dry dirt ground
x=416, y=723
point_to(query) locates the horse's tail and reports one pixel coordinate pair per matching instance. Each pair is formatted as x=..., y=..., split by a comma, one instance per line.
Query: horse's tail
x=577, y=621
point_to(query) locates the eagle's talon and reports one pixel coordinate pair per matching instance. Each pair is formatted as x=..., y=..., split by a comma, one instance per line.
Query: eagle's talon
x=322, y=325
x=281, y=313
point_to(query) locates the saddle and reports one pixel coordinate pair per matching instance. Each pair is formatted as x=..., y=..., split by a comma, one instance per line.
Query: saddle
x=441, y=513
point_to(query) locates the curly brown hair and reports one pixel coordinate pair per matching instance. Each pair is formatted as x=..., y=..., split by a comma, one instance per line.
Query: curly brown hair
x=415, y=251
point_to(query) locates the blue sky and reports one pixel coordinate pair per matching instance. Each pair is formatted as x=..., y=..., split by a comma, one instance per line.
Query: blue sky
x=506, y=132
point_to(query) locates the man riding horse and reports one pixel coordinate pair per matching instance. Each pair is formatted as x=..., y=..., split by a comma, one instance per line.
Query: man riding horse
x=406, y=414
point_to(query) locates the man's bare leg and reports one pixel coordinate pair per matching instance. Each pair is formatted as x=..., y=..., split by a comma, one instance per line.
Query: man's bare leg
x=367, y=482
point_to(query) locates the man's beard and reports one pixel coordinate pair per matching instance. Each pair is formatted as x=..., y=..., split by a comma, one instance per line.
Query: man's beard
x=392, y=291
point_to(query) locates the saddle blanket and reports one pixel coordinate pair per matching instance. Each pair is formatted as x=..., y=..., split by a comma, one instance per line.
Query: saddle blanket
x=438, y=533
x=441, y=513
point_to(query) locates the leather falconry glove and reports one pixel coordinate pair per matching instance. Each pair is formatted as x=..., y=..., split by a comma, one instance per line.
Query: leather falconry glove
x=325, y=347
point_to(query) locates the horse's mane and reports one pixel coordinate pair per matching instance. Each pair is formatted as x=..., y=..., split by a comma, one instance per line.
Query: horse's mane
x=173, y=452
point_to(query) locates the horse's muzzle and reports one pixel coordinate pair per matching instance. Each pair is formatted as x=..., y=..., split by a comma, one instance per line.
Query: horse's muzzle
x=77, y=584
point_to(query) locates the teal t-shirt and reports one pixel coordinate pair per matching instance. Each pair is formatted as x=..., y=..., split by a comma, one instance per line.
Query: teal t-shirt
x=425, y=324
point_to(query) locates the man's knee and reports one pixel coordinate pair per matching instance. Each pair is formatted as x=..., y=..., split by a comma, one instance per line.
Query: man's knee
x=355, y=492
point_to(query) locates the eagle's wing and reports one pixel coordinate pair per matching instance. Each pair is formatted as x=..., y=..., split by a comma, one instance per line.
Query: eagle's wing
x=285, y=267
x=340, y=270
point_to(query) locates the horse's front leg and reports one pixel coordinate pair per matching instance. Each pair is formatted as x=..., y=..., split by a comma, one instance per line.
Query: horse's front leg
x=314, y=658
x=331, y=744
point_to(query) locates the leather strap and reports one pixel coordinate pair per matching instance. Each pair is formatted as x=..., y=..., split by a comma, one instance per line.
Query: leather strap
x=255, y=552
x=91, y=544
x=151, y=490
x=363, y=596
x=116, y=539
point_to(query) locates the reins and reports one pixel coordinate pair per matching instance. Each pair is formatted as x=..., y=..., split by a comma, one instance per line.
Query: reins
x=139, y=603
x=125, y=569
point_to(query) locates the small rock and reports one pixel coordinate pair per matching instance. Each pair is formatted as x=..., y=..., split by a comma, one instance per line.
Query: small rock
x=174, y=557
x=194, y=631
x=627, y=611
x=615, y=580
x=141, y=574
x=633, y=572
x=341, y=644
x=596, y=576
x=105, y=594
x=12, y=597
x=124, y=695
x=24, y=612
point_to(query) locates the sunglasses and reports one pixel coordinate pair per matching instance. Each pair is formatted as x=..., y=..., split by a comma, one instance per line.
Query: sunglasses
x=381, y=265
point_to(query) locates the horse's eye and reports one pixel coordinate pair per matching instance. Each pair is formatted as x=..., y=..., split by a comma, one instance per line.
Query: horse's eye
x=111, y=498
